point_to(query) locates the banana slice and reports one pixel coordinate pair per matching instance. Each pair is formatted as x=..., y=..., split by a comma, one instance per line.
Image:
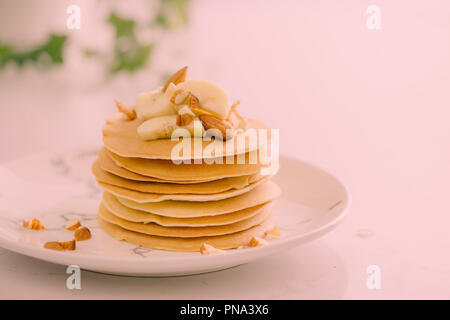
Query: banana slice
x=158, y=128
x=162, y=128
x=153, y=104
x=210, y=95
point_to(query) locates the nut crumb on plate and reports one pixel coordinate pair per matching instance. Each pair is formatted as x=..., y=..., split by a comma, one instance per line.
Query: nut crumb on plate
x=273, y=233
x=207, y=249
x=82, y=234
x=257, y=242
x=34, y=224
x=60, y=245
x=69, y=245
x=72, y=224
x=54, y=245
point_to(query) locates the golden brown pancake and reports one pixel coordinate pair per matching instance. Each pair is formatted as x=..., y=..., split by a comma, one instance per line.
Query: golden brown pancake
x=228, y=241
x=167, y=170
x=118, y=209
x=107, y=164
x=215, y=186
x=187, y=209
x=121, y=137
x=143, y=197
x=183, y=232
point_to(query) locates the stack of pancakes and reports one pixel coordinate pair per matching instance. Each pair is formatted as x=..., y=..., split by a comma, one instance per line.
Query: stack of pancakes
x=151, y=201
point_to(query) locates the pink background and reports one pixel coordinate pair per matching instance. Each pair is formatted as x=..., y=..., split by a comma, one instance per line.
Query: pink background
x=372, y=106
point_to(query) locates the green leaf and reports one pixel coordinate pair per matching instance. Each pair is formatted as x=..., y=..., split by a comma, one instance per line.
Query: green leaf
x=52, y=48
x=129, y=54
x=131, y=60
x=123, y=27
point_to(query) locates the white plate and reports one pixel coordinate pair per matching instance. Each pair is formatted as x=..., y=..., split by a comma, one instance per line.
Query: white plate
x=57, y=187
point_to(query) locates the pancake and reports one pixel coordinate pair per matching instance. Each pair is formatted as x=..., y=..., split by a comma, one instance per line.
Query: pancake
x=215, y=186
x=121, y=137
x=186, y=209
x=183, y=232
x=228, y=241
x=113, y=205
x=143, y=197
x=167, y=170
x=107, y=164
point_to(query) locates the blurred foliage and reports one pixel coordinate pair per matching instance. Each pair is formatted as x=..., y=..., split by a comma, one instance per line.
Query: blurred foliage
x=127, y=54
x=171, y=13
x=46, y=54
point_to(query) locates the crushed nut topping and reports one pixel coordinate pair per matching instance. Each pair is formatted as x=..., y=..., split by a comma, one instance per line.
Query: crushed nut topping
x=212, y=122
x=233, y=110
x=60, y=246
x=180, y=96
x=239, y=122
x=257, y=242
x=34, y=224
x=72, y=224
x=54, y=245
x=198, y=110
x=183, y=97
x=82, y=234
x=273, y=233
x=184, y=119
x=194, y=103
x=207, y=249
x=69, y=245
x=129, y=112
x=176, y=78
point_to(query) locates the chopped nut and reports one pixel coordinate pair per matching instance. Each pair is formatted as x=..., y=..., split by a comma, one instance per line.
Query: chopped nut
x=82, y=233
x=239, y=122
x=207, y=249
x=198, y=110
x=184, y=119
x=68, y=245
x=176, y=78
x=179, y=96
x=182, y=109
x=257, y=242
x=273, y=233
x=213, y=122
x=233, y=110
x=72, y=224
x=34, y=224
x=194, y=103
x=130, y=113
x=182, y=96
x=54, y=245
